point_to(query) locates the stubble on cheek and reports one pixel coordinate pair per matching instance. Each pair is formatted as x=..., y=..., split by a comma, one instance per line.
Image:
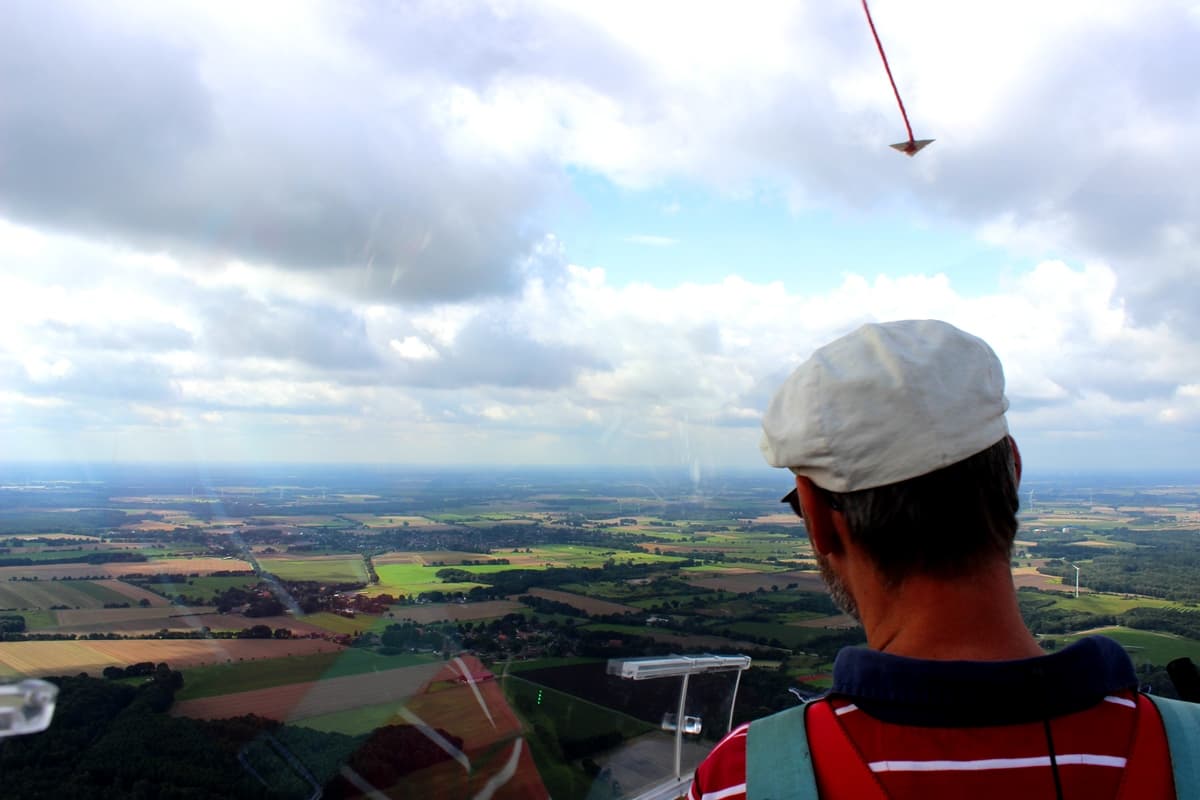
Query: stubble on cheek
x=837, y=589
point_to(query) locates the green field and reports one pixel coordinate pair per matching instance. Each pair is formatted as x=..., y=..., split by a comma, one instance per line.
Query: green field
x=47, y=594
x=39, y=619
x=206, y=588
x=339, y=624
x=513, y=667
x=389, y=520
x=1096, y=603
x=413, y=579
x=337, y=569
x=1146, y=647
x=352, y=721
x=218, y=679
x=570, y=555
x=792, y=637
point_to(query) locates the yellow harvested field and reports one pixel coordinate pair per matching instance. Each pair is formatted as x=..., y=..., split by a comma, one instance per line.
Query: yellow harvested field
x=203, y=565
x=1030, y=577
x=69, y=658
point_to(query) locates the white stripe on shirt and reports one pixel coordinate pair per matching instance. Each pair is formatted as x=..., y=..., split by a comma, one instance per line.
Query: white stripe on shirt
x=729, y=791
x=1121, y=701
x=846, y=709
x=1067, y=759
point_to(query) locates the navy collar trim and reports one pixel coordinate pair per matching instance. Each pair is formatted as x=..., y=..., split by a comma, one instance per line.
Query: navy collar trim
x=910, y=691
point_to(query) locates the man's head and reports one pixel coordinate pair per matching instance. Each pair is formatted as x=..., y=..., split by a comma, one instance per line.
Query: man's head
x=899, y=428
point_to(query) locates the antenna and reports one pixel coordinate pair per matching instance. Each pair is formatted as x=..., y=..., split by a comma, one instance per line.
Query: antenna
x=1076, y=566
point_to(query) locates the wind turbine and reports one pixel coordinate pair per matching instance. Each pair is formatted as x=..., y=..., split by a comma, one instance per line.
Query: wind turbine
x=1076, y=566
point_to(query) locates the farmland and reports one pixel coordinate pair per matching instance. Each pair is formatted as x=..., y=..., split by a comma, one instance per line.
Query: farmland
x=748, y=581
x=232, y=678
x=300, y=700
x=341, y=601
x=206, y=588
x=413, y=579
x=391, y=520
x=72, y=594
x=101, y=620
x=70, y=657
x=591, y=605
x=331, y=569
x=459, y=612
x=163, y=566
x=1148, y=647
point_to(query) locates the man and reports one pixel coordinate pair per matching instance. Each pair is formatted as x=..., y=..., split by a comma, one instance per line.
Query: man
x=906, y=479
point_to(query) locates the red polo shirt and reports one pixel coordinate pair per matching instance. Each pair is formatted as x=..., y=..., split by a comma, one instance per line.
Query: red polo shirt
x=972, y=729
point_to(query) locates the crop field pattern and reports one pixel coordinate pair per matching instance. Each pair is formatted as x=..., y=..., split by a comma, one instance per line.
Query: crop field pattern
x=72, y=594
x=297, y=701
x=231, y=678
x=160, y=566
x=331, y=569
x=70, y=657
x=604, y=564
x=99, y=620
x=457, y=612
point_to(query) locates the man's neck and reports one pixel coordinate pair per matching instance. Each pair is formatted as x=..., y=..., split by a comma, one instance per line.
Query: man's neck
x=973, y=618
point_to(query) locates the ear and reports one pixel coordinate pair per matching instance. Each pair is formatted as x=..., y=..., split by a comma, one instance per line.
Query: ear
x=1016, y=458
x=818, y=518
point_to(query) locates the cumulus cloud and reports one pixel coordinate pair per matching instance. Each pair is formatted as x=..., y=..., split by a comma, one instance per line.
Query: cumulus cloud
x=335, y=220
x=408, y=151
x=582, y=369
x=189, y=131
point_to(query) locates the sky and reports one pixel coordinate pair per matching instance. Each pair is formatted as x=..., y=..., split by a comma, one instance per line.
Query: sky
x=504, y=233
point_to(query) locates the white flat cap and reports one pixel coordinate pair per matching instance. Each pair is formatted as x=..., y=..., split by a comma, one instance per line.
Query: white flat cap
x=886, y=403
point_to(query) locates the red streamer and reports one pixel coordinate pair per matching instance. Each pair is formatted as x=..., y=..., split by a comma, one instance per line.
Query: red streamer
x=883, y=55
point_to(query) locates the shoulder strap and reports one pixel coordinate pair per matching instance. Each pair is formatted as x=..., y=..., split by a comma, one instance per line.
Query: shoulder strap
x=1181, y=721
x=781, y=765
x=778, y=759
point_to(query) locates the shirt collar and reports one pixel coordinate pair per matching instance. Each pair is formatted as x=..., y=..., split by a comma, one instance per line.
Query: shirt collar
x=911, y=691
